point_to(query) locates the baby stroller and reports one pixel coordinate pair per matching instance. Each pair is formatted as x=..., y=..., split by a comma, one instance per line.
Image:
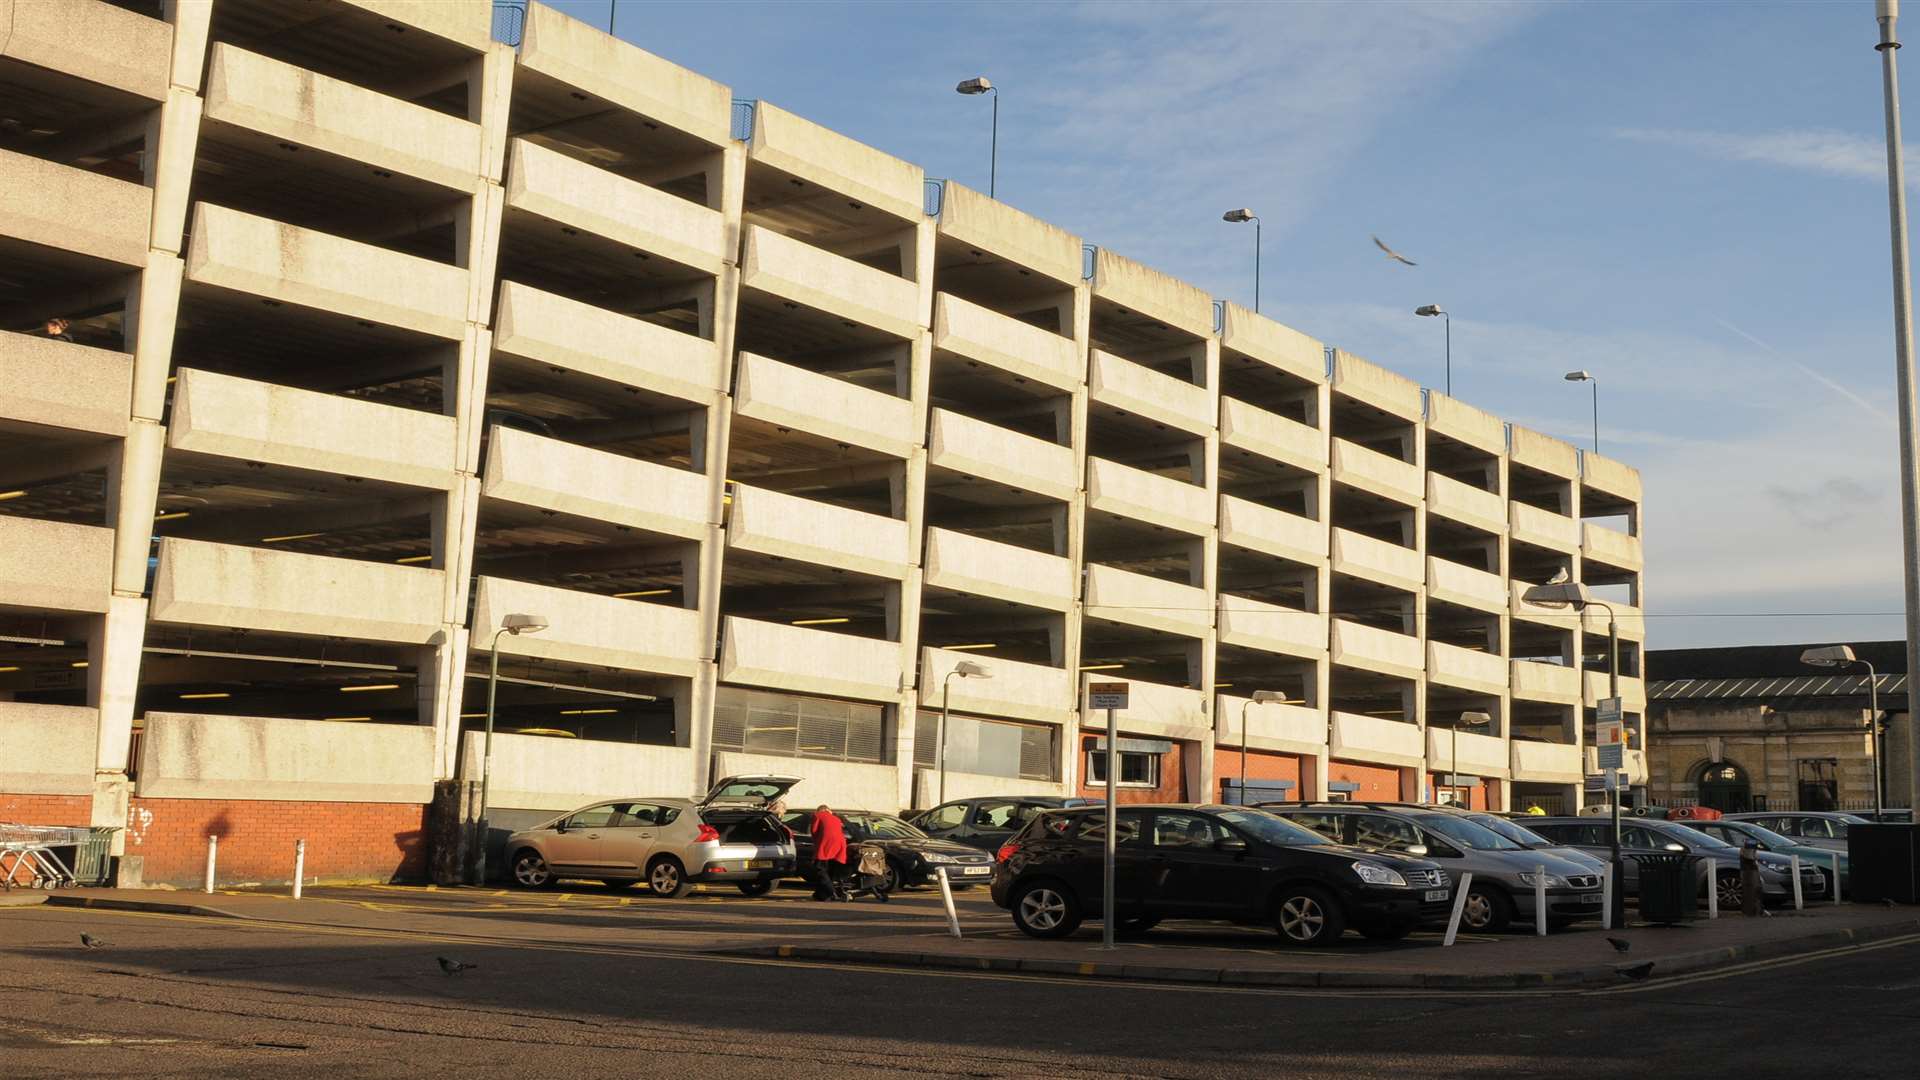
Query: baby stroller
x=869, y=876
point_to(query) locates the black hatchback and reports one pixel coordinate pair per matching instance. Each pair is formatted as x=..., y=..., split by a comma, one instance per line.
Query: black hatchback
x=1212, y=862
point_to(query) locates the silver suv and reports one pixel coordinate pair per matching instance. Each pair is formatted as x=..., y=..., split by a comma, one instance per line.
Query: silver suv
x=670, y=844
x=1503, y=871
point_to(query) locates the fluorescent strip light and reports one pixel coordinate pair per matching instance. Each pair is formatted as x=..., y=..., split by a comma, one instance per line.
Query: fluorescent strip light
x=175, y=516
x=348, y=719
x=587, y=712
x=370, y=686
x=821, y=622
x=964, y=648
x=642, y=592
x=284, y=539
x=472, y=715
x=78, y=663
x=10, y=667
x=414, y=559
x=1221, y=685
x=204, y=697
x=6, y=495
x=1101, y=667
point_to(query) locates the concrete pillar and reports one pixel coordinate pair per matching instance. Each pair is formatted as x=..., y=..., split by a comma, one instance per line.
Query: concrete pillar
x=173, y=135
x=133, y=487
x=153, y=308
x=190, y=20
x=114, y=642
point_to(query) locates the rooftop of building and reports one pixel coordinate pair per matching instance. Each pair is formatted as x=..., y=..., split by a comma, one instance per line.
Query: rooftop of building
x=1752, y=672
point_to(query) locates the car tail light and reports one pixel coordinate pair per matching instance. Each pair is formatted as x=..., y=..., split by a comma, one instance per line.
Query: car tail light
x=707, y=833
x=1006, y=851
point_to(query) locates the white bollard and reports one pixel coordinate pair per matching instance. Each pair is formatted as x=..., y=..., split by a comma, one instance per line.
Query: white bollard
x=1713, y=890
x=1459, y=905
x=299, y=866
x=1540, y=901
x=1836, y=877
x=1798, y=903
x=1606, y=897
x=213, y=854
x=946, y=897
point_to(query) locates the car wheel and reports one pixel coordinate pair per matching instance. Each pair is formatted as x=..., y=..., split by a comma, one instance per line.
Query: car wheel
x=668, y=879
x=1387, y=931
x=1727, y=884
x=896, y=878
x=530, y=870
x=1136, y=927
x=1486, y=910
x=1046, y=909
x=1304, y=915
x=754, y=888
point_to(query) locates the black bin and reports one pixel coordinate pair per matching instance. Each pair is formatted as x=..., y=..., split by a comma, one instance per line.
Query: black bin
x=1669, y=888
x=1883, y=863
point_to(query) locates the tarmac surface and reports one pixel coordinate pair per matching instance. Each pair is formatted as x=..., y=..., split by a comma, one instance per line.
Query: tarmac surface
x=602, y=982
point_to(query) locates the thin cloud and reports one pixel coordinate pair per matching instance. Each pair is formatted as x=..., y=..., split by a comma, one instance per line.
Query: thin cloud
x=1874, y=410
x=1819, y=150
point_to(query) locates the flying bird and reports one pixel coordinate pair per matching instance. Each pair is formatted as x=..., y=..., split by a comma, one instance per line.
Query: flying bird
x=1392, y=254
x=1619, y=944
x=91, y=942
x=454, y=967
x=1638, y=971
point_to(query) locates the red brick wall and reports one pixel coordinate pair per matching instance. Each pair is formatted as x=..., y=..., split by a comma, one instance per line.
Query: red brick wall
x=75, y=810
x=1377, y=782
x=345, y=841
x=1476, y=793
x=1261, y=765
x=1173, y=778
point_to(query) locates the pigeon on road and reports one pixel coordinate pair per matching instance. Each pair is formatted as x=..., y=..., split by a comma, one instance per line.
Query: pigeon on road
x=1619, y=944
x=454, y=967
x=1637, y=971
x=1392, y=254
x=91, y=942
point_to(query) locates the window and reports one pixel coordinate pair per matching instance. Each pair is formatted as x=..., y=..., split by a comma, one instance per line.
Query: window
x=1093, y=827
x=988, y=747
x=1635, y=836
x=1814, y=828
x=997, y=815
x=1184, y=831
x=1819, y=782
x=947, y=817
x=636, y=816
x=1385, y=833
x=594, y=817
x=1327, y=825
x=787, y=725
x=1137, y=768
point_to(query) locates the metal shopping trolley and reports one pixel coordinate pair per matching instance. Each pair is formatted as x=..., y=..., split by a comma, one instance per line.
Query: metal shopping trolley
x=28, y=855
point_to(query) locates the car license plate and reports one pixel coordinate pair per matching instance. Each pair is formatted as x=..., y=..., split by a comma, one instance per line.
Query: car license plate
x=1437, y=894
x=974, y=871
x=1593, y=898
x=760, y=864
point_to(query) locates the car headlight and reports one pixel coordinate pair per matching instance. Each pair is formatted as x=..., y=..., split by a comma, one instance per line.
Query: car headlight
x=1554, y=881
x=1375, y=874
x=936, y=857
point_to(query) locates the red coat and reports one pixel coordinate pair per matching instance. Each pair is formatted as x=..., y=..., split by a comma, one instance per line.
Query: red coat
x=829, y=839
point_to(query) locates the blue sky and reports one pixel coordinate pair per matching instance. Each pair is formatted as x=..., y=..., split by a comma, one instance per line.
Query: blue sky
x=1687, y=199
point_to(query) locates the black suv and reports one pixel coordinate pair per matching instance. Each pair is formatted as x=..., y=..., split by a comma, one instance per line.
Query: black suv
x=1211, y=862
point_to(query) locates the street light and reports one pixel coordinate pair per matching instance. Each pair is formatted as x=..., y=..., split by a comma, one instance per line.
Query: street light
x=1575, y=595
x=1840, y=656
x=515, y=625
x=1430, y=310
x=966, y=669
x=1260, y=697
x=1587, y=377
x=1467, y=719
x=982, y=85
x=1240, y=217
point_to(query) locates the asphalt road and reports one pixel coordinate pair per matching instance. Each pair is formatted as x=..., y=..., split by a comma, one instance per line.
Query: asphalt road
x=183, y=996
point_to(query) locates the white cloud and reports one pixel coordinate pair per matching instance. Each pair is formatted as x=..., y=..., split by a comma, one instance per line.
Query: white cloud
x=1834, y=153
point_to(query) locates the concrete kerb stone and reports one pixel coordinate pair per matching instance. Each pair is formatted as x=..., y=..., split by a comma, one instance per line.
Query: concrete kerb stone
x=22, y=899
x=157, y=907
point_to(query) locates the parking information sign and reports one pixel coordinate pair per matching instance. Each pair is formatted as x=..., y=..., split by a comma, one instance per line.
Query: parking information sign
x=1610, y=736
x=1107, y=695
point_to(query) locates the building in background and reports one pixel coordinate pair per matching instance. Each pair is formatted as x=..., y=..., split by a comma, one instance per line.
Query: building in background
x=383, y=329
x=1754, y=728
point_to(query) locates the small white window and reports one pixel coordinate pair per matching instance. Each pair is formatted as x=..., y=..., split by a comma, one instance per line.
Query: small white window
x=1137, y=768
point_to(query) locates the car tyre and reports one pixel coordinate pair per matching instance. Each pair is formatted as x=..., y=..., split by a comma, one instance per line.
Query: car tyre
x=1727, y=884
x=896, y=878
x=1046, y=909
x=530, y=870
x=755, y=888
x=1387, y=931
x=1305, y=916
x=1486, y=911
x=667, y=878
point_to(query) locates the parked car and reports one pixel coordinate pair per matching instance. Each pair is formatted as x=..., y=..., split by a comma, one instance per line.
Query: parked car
x=1647, y=836
x=1517, y=832
x=1820, y=828
x=1739, y=833
x=988, y=822
x=913, y=857
x=1230, y=863
x=670, y=844
x=1503, y=870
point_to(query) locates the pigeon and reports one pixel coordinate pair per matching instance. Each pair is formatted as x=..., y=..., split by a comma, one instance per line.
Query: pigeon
x=454, y=967
x=91, y=942
x=1638, y=971
x=1392, y=254
x=1619, y=944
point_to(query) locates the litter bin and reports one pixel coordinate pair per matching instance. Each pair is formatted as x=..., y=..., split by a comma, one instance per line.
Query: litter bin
x=1669, y=888
x=92, y=859
x=1883, y=863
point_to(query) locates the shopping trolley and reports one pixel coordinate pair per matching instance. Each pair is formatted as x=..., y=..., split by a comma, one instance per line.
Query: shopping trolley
x=27, y=851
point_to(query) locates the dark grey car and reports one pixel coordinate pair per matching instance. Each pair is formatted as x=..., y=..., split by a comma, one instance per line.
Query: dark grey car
x=988, y=821
x=1651, y=836
x=1820, y=828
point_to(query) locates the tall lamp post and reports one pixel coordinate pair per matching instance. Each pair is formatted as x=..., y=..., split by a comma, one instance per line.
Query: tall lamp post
x=1575, y=595
x=1430, y=310
x=1587, y=377
x=1241, y=217
x=966, y=669
x=1260, y=697
x=983, y=85
x=515, y=625
x=1887, y=13
x=1467, y=719
x=1840, y=656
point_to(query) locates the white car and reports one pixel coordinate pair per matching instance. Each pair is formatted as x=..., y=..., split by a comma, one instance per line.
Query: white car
x=671, y=844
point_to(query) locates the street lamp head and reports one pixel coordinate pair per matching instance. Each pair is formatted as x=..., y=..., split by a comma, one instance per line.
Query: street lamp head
x=1578, y=376
x=969, y=669
x=1475, y=718
x=523, y=624
x=977, y=85
x=1563, y=594
x=1268, y=697
x=1238, y=216
x=1830, y=656
x=1429, y=310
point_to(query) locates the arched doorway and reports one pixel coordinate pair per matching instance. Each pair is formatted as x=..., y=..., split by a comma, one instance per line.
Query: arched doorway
x=1723, y=786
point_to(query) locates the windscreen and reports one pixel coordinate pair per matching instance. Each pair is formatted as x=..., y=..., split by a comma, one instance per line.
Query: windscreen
x=1273, y=830
x=1523, y=836
x=1467, y=833
x=882, y=827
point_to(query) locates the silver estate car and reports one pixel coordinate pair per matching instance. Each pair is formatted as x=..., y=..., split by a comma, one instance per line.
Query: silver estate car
x=671, y=844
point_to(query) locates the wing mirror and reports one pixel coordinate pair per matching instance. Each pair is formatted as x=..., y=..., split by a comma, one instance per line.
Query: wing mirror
x=1671, y=846
x=560, y=826
x=1415, y=849
x=1232, y=844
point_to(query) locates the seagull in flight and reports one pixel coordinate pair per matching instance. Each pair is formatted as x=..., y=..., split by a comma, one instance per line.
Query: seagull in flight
x=1392, y=254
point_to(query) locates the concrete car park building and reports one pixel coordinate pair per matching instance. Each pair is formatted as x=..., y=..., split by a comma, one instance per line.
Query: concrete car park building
x=382, y=329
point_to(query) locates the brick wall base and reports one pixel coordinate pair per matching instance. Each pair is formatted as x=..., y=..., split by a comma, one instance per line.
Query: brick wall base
x=167, y=841
x=1377, y=782
x=1260, y=765
x=72, y=810
x=1173, y=776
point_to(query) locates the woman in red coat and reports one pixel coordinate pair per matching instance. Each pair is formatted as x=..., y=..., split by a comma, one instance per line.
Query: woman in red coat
x=829, y=852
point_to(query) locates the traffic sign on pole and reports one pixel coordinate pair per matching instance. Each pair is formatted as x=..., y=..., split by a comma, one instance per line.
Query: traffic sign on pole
x=1107, y=695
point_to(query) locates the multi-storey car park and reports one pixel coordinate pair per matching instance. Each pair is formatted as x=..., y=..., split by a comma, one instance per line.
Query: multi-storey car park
x=383, y=329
